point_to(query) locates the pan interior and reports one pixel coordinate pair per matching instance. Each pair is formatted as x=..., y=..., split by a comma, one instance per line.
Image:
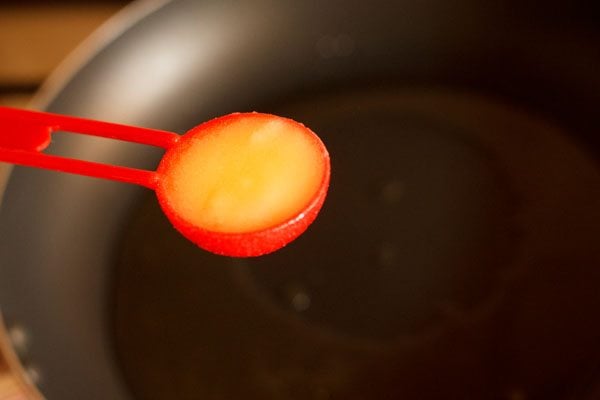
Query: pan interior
x=430, y=244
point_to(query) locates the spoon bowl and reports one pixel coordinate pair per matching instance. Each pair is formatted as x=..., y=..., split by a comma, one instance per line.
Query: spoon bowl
x=245, y=184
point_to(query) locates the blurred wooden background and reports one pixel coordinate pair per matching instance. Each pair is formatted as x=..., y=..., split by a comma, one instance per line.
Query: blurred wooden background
x=35, y=36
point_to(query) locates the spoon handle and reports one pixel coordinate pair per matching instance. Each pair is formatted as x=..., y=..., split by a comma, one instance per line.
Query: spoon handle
x=25, y=134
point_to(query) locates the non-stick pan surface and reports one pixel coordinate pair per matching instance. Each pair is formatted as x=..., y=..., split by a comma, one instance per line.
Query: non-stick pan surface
x=456, y=256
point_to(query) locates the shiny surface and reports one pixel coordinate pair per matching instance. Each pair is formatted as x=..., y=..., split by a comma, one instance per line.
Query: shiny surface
x=443, y=259
x=250, y=173
x=258, y=55
x=245, y=184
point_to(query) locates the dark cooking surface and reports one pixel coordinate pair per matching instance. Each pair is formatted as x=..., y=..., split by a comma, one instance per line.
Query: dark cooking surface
x=507, y=310
x=448, y=263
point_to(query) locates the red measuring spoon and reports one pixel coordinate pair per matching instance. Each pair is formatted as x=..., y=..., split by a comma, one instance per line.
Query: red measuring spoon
x=242, y=185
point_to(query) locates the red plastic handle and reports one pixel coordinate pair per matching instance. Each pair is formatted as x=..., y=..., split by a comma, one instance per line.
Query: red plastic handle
x=25, y=134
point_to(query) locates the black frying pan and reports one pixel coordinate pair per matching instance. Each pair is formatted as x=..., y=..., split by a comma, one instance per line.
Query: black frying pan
x=456, y=256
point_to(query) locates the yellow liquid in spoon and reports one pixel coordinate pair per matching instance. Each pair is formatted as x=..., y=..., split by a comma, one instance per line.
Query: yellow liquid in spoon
x=245, y=175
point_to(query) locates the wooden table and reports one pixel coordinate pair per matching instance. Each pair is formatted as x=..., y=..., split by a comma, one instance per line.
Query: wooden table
x=36, y=36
